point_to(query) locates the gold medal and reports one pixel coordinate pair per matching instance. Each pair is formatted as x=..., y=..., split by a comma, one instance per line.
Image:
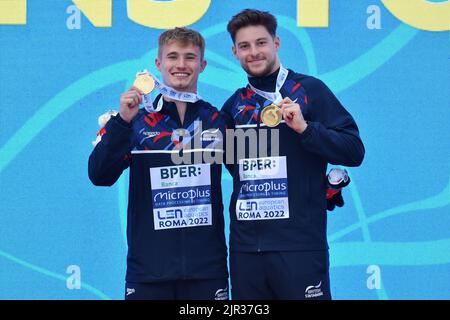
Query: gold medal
x=144, y=82
x=271, y=115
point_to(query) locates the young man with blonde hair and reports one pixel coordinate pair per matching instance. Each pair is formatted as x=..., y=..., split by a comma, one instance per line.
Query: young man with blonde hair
x=175, y=229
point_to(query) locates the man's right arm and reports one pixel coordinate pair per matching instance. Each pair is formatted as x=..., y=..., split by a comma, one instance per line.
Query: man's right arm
x=112, y=154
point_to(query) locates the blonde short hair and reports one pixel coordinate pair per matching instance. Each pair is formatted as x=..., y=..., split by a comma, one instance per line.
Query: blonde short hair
x=184, y=36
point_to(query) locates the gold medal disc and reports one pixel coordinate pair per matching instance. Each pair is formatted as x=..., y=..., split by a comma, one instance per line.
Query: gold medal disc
x=145, y=83
x=271, y=115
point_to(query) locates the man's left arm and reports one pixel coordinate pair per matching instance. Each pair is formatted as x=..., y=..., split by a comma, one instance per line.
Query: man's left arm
x=328, y=129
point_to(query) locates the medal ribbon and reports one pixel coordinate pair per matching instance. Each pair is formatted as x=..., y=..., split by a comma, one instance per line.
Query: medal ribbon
x=274, y=97
x=167, y=92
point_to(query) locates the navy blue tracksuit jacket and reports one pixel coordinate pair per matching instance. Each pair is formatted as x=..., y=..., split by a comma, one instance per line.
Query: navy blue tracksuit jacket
x=175, y=225
x=279, y=203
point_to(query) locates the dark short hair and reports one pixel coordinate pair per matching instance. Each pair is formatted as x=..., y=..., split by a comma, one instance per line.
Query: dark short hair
x=184, y=36
x=252, y=17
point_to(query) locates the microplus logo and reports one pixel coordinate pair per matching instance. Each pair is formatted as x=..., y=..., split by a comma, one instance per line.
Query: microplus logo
x=193, y=195
x=266, y=187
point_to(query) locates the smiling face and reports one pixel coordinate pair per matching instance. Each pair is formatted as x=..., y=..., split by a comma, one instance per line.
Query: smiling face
x=256, y=50
x=180, y=65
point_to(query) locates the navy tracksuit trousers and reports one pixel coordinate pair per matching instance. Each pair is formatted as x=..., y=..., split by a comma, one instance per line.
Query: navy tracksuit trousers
x=280, y=275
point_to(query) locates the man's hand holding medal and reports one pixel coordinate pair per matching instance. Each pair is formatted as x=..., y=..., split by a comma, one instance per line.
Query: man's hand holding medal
x=129, y=104
x=292, y=115
x=287, y=109
x=130, y=100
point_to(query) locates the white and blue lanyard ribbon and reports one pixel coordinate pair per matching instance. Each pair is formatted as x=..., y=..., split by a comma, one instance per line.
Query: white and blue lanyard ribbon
x=168, y=92
x=274, y=97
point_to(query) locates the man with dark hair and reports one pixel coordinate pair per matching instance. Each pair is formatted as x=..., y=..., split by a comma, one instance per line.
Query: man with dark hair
x=175, y=228
x=278, y=241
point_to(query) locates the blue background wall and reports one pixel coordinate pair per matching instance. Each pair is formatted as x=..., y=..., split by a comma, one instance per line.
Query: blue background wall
x=55, y=82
